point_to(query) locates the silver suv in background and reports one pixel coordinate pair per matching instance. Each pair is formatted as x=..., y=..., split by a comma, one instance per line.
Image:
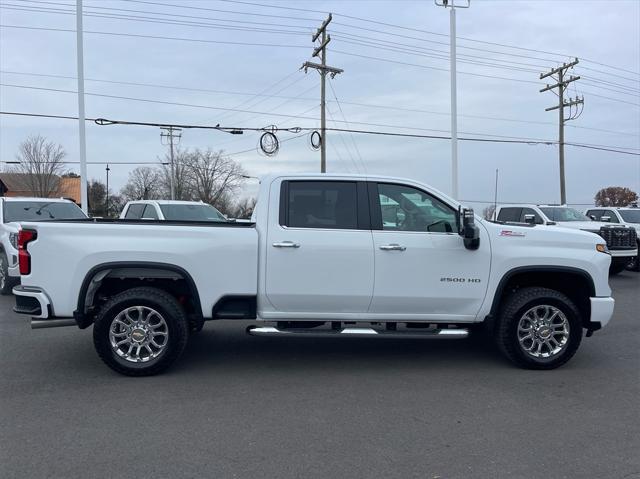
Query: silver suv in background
x=171, y=210
x=14, y=209
x=621, y=239
x=629, y=216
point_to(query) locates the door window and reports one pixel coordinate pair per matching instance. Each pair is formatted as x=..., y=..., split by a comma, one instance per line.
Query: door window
x=150, y=213
x=613, y=218
x=321, y=204
x=595, y=214
x=135, y=211
x=404, y=208
x=530, y=211
x=509, y=215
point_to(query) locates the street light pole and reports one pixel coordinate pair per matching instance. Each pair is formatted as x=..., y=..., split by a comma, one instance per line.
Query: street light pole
x=106, y=200
x=454, y=89
x=81, y=119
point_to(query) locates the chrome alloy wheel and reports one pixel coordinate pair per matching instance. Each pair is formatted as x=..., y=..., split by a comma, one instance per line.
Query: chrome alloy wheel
x=3, y=276
x=138, y=334
x=543, y=331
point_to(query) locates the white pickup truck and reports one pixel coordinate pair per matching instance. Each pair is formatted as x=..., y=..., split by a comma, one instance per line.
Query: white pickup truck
x=327, y=255
x=14, y=209
x=621, y=239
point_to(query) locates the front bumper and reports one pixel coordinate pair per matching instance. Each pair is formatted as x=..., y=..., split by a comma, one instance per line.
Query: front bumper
x=623, y=253
x=601, y=312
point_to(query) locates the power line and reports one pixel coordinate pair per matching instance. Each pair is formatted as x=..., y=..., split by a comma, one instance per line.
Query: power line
x=199, y=17
x=564, y=55
x=155, y=37
x=345, y=130
x=299, y=97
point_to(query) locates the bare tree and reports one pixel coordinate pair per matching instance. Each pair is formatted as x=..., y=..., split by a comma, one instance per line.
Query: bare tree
x=181, y=176
x=615, y=196
x=487, y=213
x=41, y=162
x=213, y=177
x=244, y=208
x=144, y=183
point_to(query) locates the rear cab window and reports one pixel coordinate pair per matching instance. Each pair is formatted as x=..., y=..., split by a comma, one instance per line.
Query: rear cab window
x=41, y=211
x=323, y=204
x=134, y=211
x=509, y=215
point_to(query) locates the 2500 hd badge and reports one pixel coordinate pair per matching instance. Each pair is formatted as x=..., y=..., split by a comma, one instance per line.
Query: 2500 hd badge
x=460, y=280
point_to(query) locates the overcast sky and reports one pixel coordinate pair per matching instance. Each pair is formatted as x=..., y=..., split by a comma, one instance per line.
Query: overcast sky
x=387, y=71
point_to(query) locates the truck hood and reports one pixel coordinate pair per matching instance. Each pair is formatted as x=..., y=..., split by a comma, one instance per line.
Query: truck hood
x=548, y=234
x=587, y=225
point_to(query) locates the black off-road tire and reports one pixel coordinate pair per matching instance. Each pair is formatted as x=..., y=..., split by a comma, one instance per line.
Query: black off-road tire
x=634, y=264
x=6, y=282
x=160, y=301
x=618, y=265
x=512, y=310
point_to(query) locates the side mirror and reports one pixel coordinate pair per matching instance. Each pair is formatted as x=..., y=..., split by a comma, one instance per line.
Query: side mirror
x=467, y=228
x=530, y=219
x=605, y=219
x=593, y=217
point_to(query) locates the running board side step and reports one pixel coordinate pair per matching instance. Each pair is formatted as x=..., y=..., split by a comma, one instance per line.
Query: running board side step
x=52, y=323
x=458, y=333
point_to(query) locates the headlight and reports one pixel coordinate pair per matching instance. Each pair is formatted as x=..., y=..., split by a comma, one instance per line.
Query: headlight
x=13, y=239
x=602, y=248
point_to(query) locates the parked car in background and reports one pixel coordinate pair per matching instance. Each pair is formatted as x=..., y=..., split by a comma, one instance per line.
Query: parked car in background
x=13, y=209
x=171, y=210
x=629, y=216
x=324, y=258
x=621, y=239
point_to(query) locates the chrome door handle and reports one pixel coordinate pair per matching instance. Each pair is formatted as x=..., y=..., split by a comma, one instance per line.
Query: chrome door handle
x=286, y=244
x=393, y=247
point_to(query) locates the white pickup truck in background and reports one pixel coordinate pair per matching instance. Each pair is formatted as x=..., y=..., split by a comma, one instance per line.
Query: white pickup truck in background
x=14, y=209
x=171, y=210
x=328, y=255
x=621, y=240
x=628, y=216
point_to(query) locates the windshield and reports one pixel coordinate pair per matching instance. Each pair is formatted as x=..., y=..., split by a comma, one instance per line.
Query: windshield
x=630, y=216
x=564, y=214
x=196, y=212
x=41, y=211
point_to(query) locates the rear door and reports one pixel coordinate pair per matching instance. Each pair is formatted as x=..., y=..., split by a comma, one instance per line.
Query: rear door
x=319, y=250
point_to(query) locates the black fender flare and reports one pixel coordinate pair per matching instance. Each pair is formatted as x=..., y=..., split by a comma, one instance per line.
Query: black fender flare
x=80, y=315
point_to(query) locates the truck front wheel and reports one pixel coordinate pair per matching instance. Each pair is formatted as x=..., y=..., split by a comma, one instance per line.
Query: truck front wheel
x=538, y=328
x=140, y=332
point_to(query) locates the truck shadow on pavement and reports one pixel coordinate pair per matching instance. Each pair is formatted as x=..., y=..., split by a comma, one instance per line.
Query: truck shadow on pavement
x=215, y=348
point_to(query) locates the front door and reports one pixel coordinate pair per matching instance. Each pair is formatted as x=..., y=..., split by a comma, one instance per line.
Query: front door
x=319, y=249
x=422, y=269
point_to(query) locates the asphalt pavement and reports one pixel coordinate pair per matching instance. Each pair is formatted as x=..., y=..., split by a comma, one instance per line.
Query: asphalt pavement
x=247, y=407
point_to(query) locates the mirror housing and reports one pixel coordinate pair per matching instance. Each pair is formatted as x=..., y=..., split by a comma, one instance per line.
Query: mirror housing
x=593, y=217
x=530, y=219
x=605, y=219
x=467, y=228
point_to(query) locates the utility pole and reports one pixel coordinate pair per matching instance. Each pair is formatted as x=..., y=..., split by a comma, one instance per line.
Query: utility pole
x=171, y=133
x=106, y=199
x=561, y=84
x=454, y=87
x=84, y=200
x=323, y=69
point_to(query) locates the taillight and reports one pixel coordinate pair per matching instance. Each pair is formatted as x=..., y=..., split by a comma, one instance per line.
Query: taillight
x=24, y=258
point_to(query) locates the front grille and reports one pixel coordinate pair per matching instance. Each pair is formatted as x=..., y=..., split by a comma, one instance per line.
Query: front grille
x=618, y=238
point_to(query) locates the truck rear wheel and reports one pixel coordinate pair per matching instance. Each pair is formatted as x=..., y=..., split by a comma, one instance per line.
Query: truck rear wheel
x=6, y=282
x=140, y=332
x=538, y=328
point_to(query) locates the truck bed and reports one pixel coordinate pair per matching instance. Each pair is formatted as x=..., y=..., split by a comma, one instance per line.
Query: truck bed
x=217, y=256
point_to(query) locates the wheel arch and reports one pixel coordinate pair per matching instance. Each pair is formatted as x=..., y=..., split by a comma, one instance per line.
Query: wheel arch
x=565, y=279
x=132, y=270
